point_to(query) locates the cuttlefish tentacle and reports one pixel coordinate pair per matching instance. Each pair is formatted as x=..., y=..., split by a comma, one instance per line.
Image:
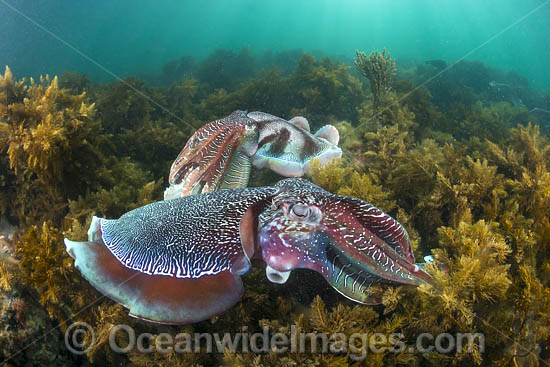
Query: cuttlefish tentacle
x=220, y=154
x=180, y=261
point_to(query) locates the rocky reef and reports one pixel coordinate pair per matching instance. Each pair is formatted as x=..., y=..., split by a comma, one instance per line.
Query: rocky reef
x=467, y=173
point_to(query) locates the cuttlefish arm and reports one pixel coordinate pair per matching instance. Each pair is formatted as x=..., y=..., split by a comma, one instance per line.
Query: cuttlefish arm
x=350, y=242
x=176, y=261
x=220, y=154
x=217, y=156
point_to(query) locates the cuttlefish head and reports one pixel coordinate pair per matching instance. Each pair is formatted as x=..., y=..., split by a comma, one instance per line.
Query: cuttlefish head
x=350, y=242
x=288, y=147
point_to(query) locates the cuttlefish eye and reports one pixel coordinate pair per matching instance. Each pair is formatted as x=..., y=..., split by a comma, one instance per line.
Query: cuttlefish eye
x=303, y=213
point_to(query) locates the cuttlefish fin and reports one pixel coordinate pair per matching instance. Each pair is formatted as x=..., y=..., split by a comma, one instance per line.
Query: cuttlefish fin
x=301, y=122
x=158, y=298
x=329, y=133
x=204, y=161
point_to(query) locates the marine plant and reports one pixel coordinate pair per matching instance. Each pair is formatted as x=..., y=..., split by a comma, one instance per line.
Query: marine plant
x=177, y=70
x=226, y=69
x=455, y=192
x=378, y=69
x=49, y=136
x=324, y=88
x=479, y=204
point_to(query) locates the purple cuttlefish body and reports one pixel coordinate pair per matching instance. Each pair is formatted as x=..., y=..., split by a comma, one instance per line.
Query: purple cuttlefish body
x=180, y=261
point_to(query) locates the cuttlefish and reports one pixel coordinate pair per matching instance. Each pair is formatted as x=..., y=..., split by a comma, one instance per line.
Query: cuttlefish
x=221, y=153
x=180, y=261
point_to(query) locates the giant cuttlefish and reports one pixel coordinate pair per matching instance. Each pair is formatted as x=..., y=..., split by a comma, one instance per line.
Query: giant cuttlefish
x=180, y=261
x=220, y=154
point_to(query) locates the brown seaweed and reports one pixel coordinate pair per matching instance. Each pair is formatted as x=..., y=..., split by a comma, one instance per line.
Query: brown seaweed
x=470, y=182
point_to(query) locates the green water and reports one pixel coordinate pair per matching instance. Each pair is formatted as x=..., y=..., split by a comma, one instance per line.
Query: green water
x=128, y=37
x=455, y=146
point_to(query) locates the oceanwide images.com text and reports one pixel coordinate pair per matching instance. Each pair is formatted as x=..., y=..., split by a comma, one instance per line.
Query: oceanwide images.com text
x=80, y=337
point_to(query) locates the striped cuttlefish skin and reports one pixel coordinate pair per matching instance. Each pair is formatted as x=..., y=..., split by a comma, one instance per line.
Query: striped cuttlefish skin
x=180, y=261
x=221, y=153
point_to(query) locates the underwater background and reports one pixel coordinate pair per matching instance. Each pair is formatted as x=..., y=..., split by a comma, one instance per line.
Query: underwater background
x=450, y=136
